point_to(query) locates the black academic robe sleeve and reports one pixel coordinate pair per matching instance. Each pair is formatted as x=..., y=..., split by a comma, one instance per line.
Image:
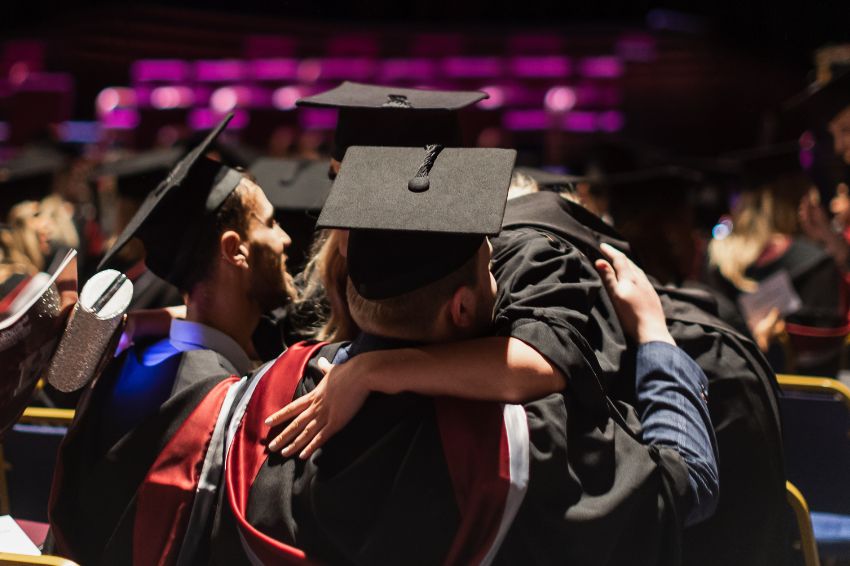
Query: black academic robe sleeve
x=598, y=495
x=551, y=297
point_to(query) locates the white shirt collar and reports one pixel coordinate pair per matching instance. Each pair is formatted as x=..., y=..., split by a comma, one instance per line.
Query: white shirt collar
x=186, y=335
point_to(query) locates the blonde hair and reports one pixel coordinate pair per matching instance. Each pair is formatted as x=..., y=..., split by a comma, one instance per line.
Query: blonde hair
x=324, y=278
x=759, y=216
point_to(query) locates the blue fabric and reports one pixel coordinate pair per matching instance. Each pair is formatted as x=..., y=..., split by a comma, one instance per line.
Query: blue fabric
x=832, y=534
x=672, y=404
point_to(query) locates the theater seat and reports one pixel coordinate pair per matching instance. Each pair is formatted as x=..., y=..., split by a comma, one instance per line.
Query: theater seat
x=816, y=435
x=806, y=538
x=27, y=459
x=814, y=350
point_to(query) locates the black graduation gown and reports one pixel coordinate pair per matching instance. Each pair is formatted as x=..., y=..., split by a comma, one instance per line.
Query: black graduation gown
x=381, y=491
x=94, y=495
x=749, y=525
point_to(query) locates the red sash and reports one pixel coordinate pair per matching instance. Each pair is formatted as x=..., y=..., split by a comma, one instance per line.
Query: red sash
x=248, y=451
x=165, y=497
x=475, y=445
x=474, y=442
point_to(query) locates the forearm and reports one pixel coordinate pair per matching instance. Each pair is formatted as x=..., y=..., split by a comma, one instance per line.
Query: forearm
x=674, y=413
x=487, y=369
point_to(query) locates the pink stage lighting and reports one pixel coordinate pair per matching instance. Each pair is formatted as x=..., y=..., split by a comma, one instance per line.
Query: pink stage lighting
x=113, y=98
x=496, y=98
x=602, y=67
x=167, y=97
x=160, y=70
x=560, y=99
x=285, y=97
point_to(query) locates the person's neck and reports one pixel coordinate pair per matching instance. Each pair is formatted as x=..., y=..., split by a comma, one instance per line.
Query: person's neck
x=226, y=308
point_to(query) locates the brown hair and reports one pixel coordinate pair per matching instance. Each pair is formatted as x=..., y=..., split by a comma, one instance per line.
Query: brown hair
x=231, y=215
x=411, y=310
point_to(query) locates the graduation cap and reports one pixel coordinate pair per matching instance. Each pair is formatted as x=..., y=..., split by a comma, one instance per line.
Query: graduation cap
x=763, y=165
x=821, y=102
x=415, y=214
x=136, y=176
x=28, y=176
x=293, y=184
x=392, y=116
x=172, y=216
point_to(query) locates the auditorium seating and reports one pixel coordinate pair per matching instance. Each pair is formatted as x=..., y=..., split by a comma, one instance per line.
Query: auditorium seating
x=816, y=432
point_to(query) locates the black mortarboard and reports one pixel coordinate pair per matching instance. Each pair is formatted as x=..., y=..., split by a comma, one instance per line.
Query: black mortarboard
x=821, y=102
x=136, y=176
x=549, y=180
x=392, y=116
x=762, y=165
x=171, y=217
x=415, y=214
x=293, y=184
x=28, y=176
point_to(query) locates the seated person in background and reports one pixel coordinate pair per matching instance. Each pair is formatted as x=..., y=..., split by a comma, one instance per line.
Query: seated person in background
x=766, y=239
x=582, y=489
x=31, y=233
x=210, y=231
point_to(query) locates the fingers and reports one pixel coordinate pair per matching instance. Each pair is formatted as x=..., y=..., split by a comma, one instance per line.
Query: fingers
x=617, y=259
x=292, y=430
x=314, y=445
x=307, y=435
x=325, y=365
x=290, y=411
x=607, y=273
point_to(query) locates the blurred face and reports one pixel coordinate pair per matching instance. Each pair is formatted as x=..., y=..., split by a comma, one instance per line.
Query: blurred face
x=271, y=284
x=839, y=127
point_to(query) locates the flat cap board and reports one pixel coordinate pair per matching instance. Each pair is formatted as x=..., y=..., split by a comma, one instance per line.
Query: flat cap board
x=381, y=188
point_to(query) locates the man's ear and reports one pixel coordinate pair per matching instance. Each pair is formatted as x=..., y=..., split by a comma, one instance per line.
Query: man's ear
x=233, y=250
x=462, y=308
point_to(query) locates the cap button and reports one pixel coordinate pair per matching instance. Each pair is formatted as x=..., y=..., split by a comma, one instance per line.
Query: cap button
x=419, y=184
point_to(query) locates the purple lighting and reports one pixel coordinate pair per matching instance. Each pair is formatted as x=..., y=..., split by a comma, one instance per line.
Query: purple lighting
x=496, y=98
x=602, y=67
x=309, y=70
x=205, y=119
x=273, y=69
x=79, y=132
x=120, y=119
x=317, y=119
x=226, y=98
x=611, y=121
x=358, y=69
x=636, y=47
x=165, y=97
x=472, y=67
x=285, y=97
x=579, y=122
x=160, y=70
x=409, y=69
x=113, y=98
x=560, y=99
x=540, y=67
x=526, y=120
x=220, y=70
